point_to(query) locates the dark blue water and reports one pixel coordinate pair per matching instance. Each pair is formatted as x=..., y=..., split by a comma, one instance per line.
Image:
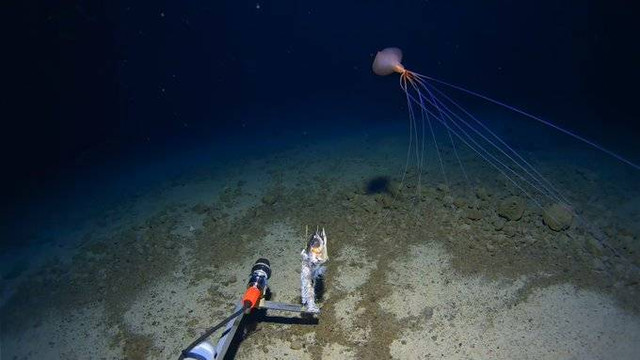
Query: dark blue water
x=93, y=80
x=106, y=101
x=105, y=83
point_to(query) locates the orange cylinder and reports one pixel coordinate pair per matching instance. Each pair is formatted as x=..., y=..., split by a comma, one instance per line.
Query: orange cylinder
x=251, y=297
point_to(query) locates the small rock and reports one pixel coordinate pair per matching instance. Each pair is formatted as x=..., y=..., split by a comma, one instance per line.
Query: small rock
x=384, y=200
x=490, y=247
x=443, y=188
x=597, y=264
x=509, y=231
x=628, y=244
x=498, y=224
x=296, y=345
x=447, y=199
x=593, y=247
x=482, y=194
x=200, y=208
x=511, y=208
x=269, y=199
x=257, y=212
x=632, y=277
x=427, y=313
x=459, y=202
x=557, y=217
x=474, y=214
x=394, y=189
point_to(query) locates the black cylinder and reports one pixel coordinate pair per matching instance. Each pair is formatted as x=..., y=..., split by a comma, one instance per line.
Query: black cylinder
x=262, y=264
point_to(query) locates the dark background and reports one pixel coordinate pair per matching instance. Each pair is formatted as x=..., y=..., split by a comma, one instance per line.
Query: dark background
x=91, y=81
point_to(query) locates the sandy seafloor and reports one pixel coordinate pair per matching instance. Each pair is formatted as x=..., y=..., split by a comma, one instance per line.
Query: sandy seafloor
x=413, y=273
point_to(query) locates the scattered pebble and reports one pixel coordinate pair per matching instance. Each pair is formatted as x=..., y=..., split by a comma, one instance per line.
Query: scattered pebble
x=557, y=217
x=200, y=208
x=474, y=214
x=482, y=194
x=511, y=208
x=443, y=188
x=427, y=313
x=593, y=247
x=459, y=202
x=269, y=199
x=296, y=345
x=509, y=231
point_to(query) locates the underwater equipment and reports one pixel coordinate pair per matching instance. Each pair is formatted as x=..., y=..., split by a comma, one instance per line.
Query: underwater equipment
x=253, y=298
x=313, y=258
x=260, y=273
x=431, y=102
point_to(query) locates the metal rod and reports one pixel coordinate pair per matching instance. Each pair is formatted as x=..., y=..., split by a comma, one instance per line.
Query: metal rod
x=228, y=334
x=272, y=305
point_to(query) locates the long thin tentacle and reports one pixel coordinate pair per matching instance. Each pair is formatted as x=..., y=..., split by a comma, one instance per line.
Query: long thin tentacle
x=545, y=122
x=468, y=140
x=453, y=144
x=499, y=139
x=550, y=191
x=403, y=85
x=425, y=116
